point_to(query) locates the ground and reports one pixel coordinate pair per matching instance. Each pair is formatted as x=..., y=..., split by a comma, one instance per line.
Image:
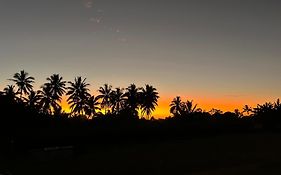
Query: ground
x=255, y=153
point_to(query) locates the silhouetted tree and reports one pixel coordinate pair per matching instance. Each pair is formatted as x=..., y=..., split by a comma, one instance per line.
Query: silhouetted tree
x=176, y=106
x=92, y=106
x=263, y=109
x=47, y=102
x=33, y=99
x=214, y=111
x=105, y=96
x=247, y=109
x=149, y=98
x=58, y=112
x=117, y=100
x=132, y=101
x=56, y=85
x=238, y=113
x=10, y=93
x=51, y=94
x=268, y=115
x=188, y=107
x=24, y=82
x=277, y=105
x=78, y=95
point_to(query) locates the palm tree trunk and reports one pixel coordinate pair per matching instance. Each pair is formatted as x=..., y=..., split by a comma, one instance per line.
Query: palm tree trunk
x=21, y=94
x=104, y=109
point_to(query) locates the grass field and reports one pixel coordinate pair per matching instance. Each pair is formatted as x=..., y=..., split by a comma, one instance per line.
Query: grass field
x=255, y=153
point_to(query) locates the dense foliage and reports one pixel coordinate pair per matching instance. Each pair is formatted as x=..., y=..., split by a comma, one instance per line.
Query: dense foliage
x=32, y=117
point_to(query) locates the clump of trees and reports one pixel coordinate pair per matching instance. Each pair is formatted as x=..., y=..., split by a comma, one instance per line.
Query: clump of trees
x=130, y=103
x=34, y=117
x=109, y=101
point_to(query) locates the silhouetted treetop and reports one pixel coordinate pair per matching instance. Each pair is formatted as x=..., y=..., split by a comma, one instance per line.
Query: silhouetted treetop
x=24, y=82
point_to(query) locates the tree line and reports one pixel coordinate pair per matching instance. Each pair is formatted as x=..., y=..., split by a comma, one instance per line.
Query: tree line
x=121, y=114
x=48, y=99
x=110, y=101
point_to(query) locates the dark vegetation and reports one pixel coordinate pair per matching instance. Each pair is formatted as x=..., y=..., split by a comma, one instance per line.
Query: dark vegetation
x=34, y=119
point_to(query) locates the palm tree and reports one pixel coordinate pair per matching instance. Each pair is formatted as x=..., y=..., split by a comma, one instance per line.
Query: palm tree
x=176, y=106
x=132, y=99
x=188, y=107
x=10, y=93
x=92, y=105
x=24, y=82
x=78, y=95
x=247, y=109
x=47, y=102
x=51, y=94
x=57, y=86
x=105, y=95
x=117, y=100
x=33, y=99
x=149, y=98
x=264, y=108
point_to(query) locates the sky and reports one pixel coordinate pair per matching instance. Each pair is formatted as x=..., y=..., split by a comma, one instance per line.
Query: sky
x=220, y=53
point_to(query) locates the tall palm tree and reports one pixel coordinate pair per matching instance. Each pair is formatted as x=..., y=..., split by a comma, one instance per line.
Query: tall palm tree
x=78, y=95
x=47, y=102
x=105, y=95
x=176, y=106
x=149, y=98
x=117, y=100
x=92, y=106
x=23, y=82
x=132, y=99
x=57, y=86
x=51, y=94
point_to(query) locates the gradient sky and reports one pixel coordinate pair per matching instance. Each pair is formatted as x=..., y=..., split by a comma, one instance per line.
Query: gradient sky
x=221, y=54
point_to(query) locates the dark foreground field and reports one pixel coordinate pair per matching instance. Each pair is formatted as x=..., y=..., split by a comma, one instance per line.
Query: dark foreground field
x=255, y=153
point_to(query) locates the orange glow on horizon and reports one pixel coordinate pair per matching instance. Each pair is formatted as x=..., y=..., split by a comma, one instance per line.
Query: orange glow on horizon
x=163, y=108
x=64, y=104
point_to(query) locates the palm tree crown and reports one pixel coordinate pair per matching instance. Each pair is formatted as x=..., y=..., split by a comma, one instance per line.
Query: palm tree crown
x=10, y=93
x=56, y=85
x=264, y=108
x=188, y=107
x=132, y=101
x=105, y=95
x=117, y=100
x=247, y=109
x=92, y=106
x=176, y=106
x=33, y=99
x=24, y=82
x=149, y=100
x=79, y=94
x=47, y=102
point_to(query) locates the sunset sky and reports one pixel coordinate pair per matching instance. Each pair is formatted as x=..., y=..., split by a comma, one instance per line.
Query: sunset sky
x=220, y=53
